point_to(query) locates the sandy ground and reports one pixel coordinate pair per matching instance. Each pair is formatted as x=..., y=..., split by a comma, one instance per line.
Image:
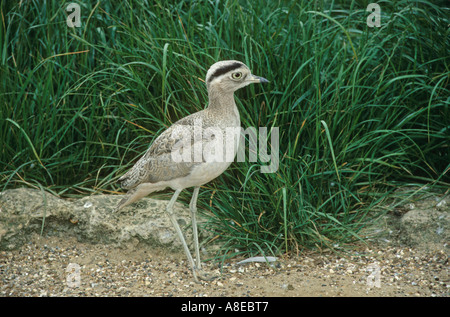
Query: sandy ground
x=64, y=267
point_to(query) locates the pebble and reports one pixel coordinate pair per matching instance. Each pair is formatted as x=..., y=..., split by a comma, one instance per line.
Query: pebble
x=40, y=270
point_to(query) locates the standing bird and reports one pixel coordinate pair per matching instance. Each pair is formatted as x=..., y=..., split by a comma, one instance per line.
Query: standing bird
x=191, y=137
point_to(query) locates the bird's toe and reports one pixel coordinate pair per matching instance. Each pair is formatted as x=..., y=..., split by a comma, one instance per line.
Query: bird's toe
x=207, y=277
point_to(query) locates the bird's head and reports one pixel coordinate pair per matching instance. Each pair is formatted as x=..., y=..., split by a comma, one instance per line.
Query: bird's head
x=229, y=76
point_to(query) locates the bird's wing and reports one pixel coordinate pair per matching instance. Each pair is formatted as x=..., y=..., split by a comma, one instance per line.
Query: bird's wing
x=161, y=162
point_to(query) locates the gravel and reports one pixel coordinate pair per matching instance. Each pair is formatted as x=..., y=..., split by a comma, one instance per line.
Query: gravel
x=65, y=267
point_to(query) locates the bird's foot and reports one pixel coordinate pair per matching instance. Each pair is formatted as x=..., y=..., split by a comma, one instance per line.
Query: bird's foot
x=199, y=274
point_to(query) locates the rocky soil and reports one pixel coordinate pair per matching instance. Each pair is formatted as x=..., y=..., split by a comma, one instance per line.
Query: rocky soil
x=407, y=255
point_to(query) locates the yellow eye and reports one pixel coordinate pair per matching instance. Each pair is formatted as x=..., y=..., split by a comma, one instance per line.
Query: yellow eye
x=236, y=75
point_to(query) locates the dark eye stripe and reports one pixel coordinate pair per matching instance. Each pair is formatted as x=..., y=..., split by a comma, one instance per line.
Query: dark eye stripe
x=224, y=70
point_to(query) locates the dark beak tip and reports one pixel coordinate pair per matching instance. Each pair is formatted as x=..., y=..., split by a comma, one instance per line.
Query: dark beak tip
x=262, y=80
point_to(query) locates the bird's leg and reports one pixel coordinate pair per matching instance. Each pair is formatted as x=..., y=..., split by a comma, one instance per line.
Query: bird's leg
x=179, y=232
x=193, y=208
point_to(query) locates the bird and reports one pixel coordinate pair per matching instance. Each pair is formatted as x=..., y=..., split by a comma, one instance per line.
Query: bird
x=178, y=158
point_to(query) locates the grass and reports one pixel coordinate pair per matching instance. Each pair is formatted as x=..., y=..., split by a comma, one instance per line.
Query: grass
x=361, y=111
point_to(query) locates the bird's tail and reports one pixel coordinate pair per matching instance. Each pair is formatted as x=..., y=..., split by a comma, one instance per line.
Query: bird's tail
x=139, y=192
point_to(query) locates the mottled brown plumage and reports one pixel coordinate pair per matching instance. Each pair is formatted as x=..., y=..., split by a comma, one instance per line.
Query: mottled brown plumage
x=157, y=169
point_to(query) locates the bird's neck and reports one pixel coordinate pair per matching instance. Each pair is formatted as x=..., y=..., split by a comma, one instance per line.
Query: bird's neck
x=221, y=103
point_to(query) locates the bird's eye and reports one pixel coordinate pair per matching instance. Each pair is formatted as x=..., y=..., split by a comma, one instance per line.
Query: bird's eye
x=236, y=75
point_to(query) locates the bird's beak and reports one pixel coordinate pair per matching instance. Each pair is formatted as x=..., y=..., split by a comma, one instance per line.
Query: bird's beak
x=257, y=79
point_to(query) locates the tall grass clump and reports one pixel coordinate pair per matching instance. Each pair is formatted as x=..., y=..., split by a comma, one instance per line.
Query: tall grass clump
x=361, y=111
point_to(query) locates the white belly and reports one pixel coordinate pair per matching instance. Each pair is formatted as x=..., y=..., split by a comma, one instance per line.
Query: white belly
x=201, y=174
x=216, y=156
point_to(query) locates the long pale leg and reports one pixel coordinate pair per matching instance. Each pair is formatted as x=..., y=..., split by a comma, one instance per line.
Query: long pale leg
x=193, y=208
x=178, y=230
